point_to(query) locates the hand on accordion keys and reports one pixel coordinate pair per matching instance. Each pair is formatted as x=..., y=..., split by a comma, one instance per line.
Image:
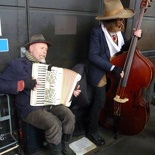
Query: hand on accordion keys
x=77, y=91
x=30, y=83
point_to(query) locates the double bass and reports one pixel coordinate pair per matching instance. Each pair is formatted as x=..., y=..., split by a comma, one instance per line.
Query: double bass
x=126, y=109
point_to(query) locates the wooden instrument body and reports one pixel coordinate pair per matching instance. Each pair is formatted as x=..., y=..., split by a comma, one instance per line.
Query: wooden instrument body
x=134, y=113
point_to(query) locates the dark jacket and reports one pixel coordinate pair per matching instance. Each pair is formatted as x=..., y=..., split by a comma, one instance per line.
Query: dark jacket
x=99, y=55
x=18, y=69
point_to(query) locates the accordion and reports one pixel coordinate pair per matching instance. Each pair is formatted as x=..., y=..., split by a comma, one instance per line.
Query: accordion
x=55, y=86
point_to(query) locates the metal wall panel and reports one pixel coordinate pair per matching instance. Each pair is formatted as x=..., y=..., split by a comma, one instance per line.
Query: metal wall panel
x=146, y=43
x=68, y=48
x=21, y=19
x=12, y=2
x=80, y=5
x=66, y=23
x=14, y=28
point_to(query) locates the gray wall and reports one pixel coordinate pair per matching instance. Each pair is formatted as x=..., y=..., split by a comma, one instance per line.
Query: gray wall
x=66, y=23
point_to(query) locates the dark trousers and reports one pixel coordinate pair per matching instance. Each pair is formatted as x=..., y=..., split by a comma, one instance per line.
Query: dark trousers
x=95, y=108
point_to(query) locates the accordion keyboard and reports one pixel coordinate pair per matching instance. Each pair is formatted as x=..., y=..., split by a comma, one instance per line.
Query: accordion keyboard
x=54, y=87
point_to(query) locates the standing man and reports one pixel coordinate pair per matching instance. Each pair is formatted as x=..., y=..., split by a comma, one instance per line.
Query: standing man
x=106, y=40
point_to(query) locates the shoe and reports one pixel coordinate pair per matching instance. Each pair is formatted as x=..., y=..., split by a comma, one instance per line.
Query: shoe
x=56, y=149
x=94, y=137
x=66, y=150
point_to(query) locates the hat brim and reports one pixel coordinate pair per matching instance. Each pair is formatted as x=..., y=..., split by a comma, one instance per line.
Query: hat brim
x=30, y=43
x=126, y=13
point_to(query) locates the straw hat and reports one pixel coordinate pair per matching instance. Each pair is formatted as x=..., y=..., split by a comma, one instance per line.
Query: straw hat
x=37, y=39
x=113, y=9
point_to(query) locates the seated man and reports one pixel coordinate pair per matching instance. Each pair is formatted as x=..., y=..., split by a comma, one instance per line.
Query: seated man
x=58, y=122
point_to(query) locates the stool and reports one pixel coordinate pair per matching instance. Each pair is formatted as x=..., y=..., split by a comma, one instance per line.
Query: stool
x=32, y=138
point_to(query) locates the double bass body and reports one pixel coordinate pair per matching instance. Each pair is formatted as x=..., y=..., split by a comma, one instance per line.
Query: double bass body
x=130, y=117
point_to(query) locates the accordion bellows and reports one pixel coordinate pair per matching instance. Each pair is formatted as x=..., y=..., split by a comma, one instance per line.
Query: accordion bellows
x=55, y=86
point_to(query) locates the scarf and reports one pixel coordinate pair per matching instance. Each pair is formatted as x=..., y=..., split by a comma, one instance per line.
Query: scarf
x=114, y=48
x=31, y=58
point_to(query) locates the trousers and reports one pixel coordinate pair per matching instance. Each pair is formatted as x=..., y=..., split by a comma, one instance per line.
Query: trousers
x=54, y=120
x=95, y=108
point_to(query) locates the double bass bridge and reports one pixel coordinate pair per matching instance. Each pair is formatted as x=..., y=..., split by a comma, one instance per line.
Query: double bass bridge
x=118, y=99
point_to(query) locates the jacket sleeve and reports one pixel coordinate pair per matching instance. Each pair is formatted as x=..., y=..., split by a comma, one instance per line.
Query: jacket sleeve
x=98, y=50
x=8, y=80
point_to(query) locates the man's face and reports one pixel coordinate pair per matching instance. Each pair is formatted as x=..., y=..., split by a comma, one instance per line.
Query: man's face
x=39, y=51
x=120, y=23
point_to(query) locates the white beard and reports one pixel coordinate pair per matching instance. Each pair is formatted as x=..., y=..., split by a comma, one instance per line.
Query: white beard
x=43, y=61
